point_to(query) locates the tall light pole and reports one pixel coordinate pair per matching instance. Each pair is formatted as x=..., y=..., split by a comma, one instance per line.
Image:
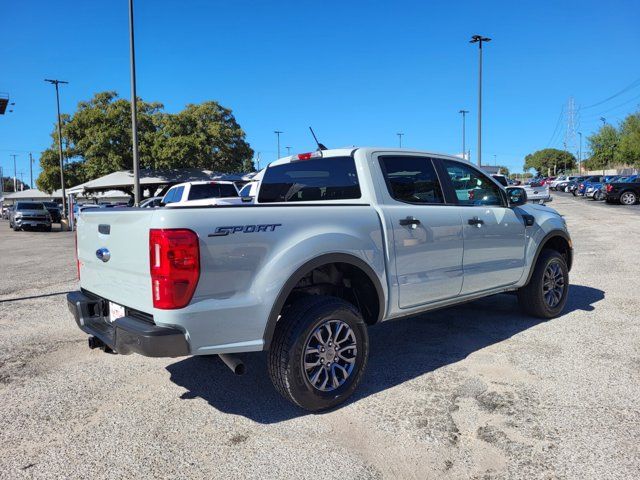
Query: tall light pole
x=400, y=139
x=604, y=121
x=464, y=145
x=56, y=83
x=134, y=110
x=15, y=173
x=288, y=150
x=278, y=132
x=580, y=155
x=479, y=39
x=31, y=169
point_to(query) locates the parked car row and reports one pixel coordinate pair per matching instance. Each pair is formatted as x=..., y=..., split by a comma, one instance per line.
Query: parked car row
x=624, y=189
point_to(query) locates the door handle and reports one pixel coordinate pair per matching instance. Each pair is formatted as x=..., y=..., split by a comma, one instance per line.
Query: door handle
x=476, y=221
x=409, y=221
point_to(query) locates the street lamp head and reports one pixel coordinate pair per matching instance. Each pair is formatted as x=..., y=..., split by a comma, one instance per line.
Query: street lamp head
x=463, y=111
x=479, y=38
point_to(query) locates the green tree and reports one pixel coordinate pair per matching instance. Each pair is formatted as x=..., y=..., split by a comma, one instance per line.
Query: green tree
x=628, y=151
x=603, y=145
x=202, y=136
x=97, y=140
x=550, y=159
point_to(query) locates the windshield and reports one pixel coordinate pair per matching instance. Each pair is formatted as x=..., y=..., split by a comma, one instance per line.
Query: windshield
x=29, y=206
x=50, y=204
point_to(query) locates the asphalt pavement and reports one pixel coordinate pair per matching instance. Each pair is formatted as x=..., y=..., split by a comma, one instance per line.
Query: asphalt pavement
x=475, y=391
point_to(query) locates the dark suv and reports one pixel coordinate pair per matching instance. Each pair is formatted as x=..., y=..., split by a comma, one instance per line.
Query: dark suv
x=626, y=192
x=54, y=210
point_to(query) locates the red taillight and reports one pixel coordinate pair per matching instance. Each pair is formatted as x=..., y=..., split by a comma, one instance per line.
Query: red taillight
x=174, y=256
x=609, y=188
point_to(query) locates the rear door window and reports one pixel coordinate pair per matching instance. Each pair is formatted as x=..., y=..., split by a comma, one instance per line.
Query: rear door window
x=203, y=191
x=412, y=179
x=317, y=179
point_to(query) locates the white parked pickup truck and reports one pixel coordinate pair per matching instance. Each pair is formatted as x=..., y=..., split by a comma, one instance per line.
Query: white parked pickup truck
x=202, y=193
x=337, y=241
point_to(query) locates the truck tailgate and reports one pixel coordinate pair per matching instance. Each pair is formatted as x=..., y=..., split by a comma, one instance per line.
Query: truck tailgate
x=124, y=278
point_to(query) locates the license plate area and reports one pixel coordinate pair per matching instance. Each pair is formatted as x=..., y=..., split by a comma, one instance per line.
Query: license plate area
x=115, y=311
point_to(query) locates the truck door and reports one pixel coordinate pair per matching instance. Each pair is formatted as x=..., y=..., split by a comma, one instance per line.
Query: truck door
x=425, y=231
x=494, y=236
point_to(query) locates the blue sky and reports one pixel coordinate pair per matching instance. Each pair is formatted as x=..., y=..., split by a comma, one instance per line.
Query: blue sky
x=358, y=72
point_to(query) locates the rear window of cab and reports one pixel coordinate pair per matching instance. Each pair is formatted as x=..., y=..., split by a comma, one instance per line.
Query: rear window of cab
x=317, y=179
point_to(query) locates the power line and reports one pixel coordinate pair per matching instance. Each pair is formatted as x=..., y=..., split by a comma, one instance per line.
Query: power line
x=614, y=108
x=631, y=86
x=555, y=130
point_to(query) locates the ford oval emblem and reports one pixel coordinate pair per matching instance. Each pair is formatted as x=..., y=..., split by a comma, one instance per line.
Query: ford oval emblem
x=103, y=254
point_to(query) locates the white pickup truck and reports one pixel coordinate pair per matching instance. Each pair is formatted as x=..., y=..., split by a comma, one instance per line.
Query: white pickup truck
x=337, y=241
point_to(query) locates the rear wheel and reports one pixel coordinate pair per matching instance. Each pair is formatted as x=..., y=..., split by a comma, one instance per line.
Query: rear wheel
x=546, y=293
x=319, y=352
x=628, y=198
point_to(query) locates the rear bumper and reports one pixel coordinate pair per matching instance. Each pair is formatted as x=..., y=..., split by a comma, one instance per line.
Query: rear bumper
x=128, y=334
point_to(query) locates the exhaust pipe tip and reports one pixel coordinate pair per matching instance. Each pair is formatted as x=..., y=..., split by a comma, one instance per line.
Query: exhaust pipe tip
x=95, y=342
x=233, y=362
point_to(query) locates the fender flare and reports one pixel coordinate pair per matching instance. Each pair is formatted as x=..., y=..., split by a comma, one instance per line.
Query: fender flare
x=306, y=268
x=543, y=242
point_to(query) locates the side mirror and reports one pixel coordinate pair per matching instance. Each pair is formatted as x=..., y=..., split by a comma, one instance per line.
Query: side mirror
x=516, y=196
x=247, y=199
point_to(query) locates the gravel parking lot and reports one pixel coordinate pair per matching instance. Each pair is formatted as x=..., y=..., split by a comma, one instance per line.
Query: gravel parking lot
x=476, y=391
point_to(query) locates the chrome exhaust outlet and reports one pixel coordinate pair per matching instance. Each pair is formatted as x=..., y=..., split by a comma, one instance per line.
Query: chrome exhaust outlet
x=233, y=362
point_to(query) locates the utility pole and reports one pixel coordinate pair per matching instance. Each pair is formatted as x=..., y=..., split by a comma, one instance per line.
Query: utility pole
x=479, y=39
x=31, y=169
x=64, y=194
x=464, y=146
x=134, y=110
x=580, y=155
x=278, y=132
x=15, y=173
x=400, y=139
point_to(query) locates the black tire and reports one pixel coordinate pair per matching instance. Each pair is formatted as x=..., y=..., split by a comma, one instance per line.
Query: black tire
x=294, y=331
x=574, y=193
x=628, y=198
x=15, y=227
x=532, y=297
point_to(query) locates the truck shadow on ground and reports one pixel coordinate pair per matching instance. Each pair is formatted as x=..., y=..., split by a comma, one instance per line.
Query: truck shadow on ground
x=399, y=351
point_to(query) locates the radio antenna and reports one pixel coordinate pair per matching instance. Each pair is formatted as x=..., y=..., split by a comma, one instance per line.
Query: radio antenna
x=320, y=145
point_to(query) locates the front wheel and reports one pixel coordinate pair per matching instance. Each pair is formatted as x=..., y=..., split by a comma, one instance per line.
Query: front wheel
x=319, y=352
x=628, y=198
x=546, y=293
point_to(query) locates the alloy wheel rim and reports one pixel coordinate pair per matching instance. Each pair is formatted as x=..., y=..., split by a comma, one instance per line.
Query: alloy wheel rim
x=553, y=284
x=628, y=198
x=330, y=355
